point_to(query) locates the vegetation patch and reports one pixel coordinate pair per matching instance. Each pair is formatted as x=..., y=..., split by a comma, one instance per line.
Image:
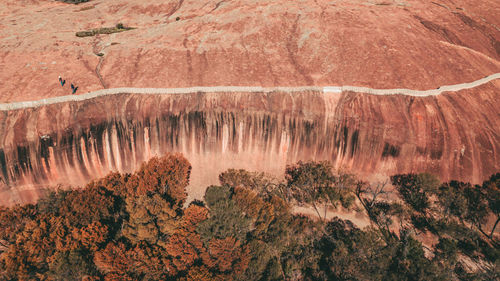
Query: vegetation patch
x=138, y=227
x=73, y=1
x=103, y=30
x=85, y=8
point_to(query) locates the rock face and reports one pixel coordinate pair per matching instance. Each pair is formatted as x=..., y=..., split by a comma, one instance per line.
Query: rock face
x=414, y=44
x=70, y=143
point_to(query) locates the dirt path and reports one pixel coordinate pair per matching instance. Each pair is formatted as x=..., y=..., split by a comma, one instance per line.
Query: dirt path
x=243, y=89
x=361, y=220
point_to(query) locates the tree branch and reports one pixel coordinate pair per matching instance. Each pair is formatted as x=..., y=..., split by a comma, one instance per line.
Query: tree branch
x=494, y=227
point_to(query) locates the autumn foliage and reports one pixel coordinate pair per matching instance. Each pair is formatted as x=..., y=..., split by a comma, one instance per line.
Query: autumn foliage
x=138, y=227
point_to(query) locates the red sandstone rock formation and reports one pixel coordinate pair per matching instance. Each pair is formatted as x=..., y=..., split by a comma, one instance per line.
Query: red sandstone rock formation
x=416, y=44
x=69, y=143
x=380, y=44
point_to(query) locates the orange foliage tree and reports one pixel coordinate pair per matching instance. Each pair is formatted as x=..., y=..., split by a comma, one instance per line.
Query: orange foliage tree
x=168, y=176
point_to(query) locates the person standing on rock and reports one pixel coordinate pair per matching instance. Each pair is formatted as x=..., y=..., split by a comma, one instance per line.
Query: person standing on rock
x=73, y=88
x=61, y=81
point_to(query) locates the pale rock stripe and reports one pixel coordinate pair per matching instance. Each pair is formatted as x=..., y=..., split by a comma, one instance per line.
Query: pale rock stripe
x=246, y=89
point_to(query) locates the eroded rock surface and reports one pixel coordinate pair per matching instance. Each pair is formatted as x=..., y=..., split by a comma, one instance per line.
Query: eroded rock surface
x=414, y=44
x=70, y=143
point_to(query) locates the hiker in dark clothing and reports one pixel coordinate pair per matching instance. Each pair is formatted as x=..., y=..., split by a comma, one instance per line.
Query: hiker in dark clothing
x=73, y=88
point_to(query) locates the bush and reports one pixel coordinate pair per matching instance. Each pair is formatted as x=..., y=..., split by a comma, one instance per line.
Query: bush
x=103, y=30
x=73, y=1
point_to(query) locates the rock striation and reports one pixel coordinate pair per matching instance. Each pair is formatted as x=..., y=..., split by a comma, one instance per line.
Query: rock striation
x=412, y=44
x=70, y=143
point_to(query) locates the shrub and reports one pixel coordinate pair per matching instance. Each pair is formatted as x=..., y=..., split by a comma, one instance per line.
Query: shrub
x=103, y=30
x=73, y=1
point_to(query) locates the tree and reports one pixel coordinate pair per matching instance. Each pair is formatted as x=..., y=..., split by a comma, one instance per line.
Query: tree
x=229, y=255
x=72, y=265
x=113, y=259
x=12, y=222
x=264, y=184
x=491, y=188
x=446, y=252
x=185, y=246
x=226, y=218
x=201, y=273
x=114, y=182
x=314, y=183
x=415, y=189
x=181, y=249
x=409, y=261
x=150, y=217
x=260, y=213
x=150, y=262
x=452, y=199
x=82, y=207
x=130, y=227
x=92, y=236
x=348, y=253
x=261, y=254
x=471, y=204
x=167, y=176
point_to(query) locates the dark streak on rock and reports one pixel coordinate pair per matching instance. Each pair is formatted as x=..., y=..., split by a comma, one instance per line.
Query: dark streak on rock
x=3, y=165
x=447, y=34
x=354, y=142
x=390, y=150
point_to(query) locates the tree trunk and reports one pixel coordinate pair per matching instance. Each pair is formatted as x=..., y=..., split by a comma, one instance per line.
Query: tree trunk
x=494, y=226
x=316, y=209
x=326, y=204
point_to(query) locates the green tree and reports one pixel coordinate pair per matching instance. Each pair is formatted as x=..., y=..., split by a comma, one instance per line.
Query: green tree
x=452, y=199
x=314, y=183
x=491, y=188
x=415, y=189
x=72, y=265
x=409, y=261
x=265, y=184
x=226, y=219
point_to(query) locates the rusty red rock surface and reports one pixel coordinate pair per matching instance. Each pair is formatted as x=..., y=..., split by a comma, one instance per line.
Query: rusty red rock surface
x=413, y=44
x=451, y=135
x=379, y=44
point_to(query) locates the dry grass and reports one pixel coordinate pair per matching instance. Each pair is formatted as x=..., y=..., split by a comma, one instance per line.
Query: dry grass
x=103, y=30
x=85, y=9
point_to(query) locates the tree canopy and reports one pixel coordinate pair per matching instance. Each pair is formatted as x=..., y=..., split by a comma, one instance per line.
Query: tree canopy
x=138, y=227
